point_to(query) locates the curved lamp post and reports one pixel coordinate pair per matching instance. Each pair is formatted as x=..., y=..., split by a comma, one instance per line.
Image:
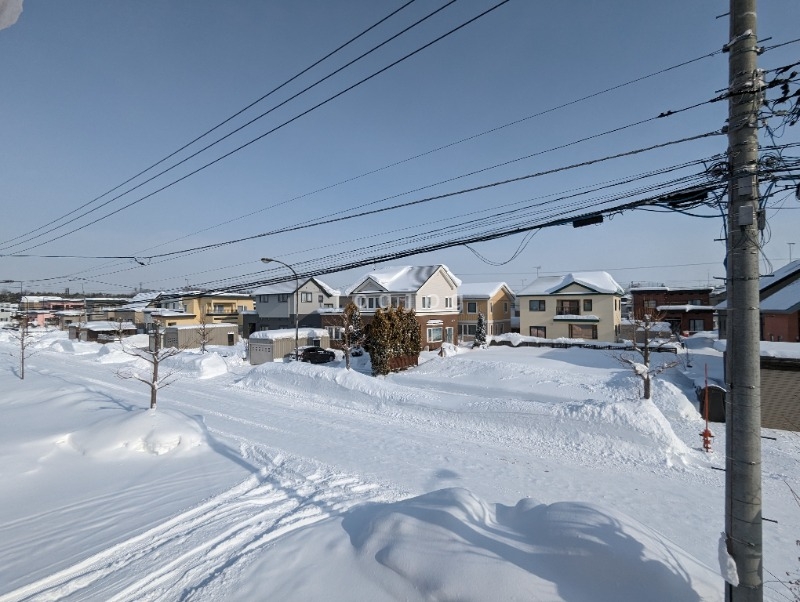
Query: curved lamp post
x=296, y=303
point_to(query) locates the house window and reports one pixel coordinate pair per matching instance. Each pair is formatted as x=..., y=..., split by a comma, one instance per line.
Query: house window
x=263, y=298
x=399, y=301
x=587, y=305
x=306, y=297
x=448, y=333
x=650, y=304
x=539, y=331
x=283, y=298
x=219, y=309
x=468, y=329
x=568, y=308
x=536, y=305
x=335, y=333
x=328, y=306
x=448, y=302
x=583, y=331
x=426, y=303
x=472, y=307
x=505, y=307
x=695, y=302
x=435, y=335
x=696, y=325
x=372, y=302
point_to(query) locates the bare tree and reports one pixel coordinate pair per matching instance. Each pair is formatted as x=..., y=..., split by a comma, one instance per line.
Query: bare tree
x=352, y=330
x=26, y=341
x=647, y=324
x=154, y=355
x=203, y=331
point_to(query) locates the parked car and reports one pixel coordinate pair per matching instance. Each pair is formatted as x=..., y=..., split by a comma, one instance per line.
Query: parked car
x=357, y=351
x=317, y=355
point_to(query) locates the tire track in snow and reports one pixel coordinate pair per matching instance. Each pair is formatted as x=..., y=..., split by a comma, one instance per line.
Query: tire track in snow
x=196, y=548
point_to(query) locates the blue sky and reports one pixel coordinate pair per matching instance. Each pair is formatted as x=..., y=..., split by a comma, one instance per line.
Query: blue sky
x=94, y=92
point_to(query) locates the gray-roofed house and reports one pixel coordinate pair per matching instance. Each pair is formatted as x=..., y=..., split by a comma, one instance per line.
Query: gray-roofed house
x=579, y=305
x=275, y=305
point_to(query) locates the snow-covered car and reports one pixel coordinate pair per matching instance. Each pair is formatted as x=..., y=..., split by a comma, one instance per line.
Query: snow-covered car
x=357, y=351
x=317, y=355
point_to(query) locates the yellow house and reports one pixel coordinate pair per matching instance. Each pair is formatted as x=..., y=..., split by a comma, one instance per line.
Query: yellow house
x=495, y=300
x=186, y=308
x=580, y=305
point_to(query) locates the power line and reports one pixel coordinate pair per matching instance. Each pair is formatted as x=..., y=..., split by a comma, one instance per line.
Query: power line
x=253, y=140
x=221, y=123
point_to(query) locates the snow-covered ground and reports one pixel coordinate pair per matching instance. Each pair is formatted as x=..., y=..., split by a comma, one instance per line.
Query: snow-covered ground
x=489, y=474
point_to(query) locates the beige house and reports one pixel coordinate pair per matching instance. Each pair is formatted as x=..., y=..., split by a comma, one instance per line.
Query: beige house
x=495, y=300
x=580, y=305
x=430, y=290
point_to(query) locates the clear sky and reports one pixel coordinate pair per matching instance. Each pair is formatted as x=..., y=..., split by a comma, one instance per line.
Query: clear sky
x=93, y=92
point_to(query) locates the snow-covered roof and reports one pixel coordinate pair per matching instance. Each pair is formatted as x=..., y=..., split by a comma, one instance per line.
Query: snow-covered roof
x=288, y=288
x=599, y=282
x=107, y=325
x=288, y=333
x=169, y=313
x=781, y=300
x=786, y=299
x=403, y=279
x=685, y=308
x=197, y=326
x=668, y=289
x=482, y=290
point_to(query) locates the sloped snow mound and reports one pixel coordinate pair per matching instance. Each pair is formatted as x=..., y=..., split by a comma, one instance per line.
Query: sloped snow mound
x=140, y=432
x=205, y=365
x=112, y=353
x=345, y=387
x=74, y=347
x=451, y=545
x=640, y=417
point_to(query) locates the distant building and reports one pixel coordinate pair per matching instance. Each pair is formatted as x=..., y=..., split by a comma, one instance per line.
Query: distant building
x=686, y=309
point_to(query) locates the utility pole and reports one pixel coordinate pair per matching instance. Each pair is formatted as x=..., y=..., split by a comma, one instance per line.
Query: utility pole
x=743, y=412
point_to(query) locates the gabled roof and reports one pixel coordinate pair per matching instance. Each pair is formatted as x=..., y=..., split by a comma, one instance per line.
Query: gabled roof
x=774, y=284
x=482, y=290
x=786, y=299
x=288, y=288
x=403, y=279
x=598, y=282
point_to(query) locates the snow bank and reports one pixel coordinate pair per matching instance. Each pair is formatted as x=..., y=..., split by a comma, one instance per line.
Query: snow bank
x=204, y=365
x=139, y=432
x=451, y=545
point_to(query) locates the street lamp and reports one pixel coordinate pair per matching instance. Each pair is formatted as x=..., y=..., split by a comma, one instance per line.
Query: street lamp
x=296, y=303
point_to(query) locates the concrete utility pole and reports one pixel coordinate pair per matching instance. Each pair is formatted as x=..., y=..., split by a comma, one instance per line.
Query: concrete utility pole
x=743, y=415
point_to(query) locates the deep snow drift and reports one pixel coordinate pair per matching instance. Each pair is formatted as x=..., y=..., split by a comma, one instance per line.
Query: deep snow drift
x=490, y=474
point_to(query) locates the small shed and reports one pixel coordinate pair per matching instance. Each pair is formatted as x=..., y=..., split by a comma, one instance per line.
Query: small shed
x=269, y=345
x=101, y=331
x=191, y=336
